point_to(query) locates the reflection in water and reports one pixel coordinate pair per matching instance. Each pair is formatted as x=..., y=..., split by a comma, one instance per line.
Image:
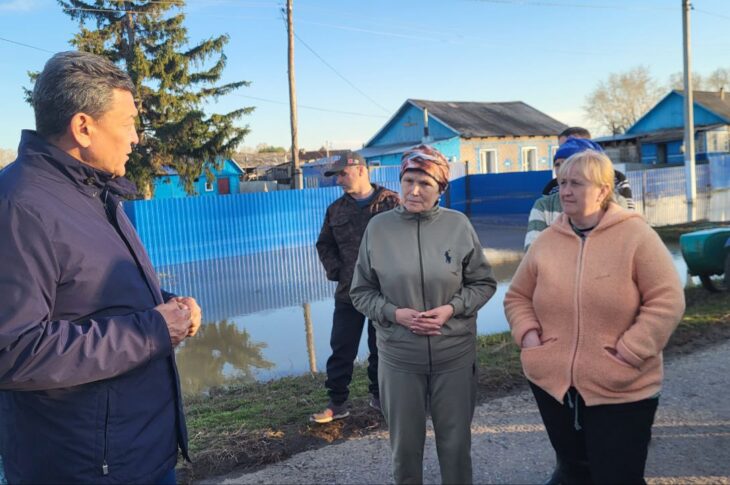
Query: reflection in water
x=219, y=354
x=310, y=337
x=260, y=300
x=252, y=283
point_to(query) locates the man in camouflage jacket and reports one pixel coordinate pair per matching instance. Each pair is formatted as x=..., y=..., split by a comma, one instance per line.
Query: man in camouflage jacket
x=338, y=245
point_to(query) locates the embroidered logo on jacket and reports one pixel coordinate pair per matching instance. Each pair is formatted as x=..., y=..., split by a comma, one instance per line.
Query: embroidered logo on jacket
x=447, y=256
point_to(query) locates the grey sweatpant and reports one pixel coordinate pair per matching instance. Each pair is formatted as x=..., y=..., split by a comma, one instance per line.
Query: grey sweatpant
x=404, y=397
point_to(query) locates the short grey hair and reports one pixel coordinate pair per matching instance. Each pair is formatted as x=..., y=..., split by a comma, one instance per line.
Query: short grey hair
x=73, y=82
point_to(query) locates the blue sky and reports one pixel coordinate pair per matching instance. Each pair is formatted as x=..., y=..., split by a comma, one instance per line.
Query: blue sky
x=547, y=53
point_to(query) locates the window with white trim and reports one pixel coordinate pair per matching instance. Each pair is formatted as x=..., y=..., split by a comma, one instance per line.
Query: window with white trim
x=553, y=151
x=529, y=159
x=488, y=161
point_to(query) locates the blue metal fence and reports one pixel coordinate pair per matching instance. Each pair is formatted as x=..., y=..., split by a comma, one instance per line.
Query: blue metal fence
x=177, y=231
x=506, y=194
x=383, y=174
x=202, y=228
x=666, y=182
x=391, y=173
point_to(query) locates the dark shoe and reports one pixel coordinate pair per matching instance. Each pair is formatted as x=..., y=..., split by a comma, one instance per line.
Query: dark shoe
x=330, y=413
x=375, y=404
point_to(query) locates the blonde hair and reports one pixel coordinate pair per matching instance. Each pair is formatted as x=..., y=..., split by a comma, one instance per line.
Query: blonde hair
x=596, y=167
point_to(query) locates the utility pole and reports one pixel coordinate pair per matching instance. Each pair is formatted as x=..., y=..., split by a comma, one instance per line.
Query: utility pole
x=297, y=181
x=689, y=124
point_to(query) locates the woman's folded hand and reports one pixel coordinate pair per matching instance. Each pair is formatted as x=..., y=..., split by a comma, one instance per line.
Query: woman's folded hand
x=531, y=339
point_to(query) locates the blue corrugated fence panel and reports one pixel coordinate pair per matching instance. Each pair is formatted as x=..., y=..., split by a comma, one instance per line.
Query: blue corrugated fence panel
x=200, y=228
x=507, y=193
x=183, y=230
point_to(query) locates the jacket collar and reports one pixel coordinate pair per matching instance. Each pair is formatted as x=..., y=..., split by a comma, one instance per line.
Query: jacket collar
x=33, y=149
x=376, y=190
x=615, y=214
x=431, y=213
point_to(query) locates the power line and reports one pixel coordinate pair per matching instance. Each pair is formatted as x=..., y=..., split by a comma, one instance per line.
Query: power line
x=542, y=3
x=182, y=3
x=375, y=32
x=158, y=2
x=341, y=76
x=711, y=13
x=26, y=45
x=106, y=10
x=314, y=108
x=336, y=71
x=237, y=3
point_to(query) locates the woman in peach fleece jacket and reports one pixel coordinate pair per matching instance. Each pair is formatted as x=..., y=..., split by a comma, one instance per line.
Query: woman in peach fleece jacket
x=592, y=305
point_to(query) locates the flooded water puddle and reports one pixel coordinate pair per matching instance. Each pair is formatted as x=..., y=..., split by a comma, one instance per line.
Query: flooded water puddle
x=269, y=315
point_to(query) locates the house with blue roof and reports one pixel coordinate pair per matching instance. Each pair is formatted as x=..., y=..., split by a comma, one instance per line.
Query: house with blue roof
x=488, y=137
x=657, y=138
x=226, y=180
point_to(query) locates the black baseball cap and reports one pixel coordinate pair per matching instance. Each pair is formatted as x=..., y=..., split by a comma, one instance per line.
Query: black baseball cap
x=345, y=160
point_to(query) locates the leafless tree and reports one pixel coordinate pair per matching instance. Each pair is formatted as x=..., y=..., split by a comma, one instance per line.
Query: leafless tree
x=720, y=78
x=676, y=81
x=623, y=98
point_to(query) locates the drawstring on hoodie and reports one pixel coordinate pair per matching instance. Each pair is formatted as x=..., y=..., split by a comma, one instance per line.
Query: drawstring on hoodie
x=574, y=406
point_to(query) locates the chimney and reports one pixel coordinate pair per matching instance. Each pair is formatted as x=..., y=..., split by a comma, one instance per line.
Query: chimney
x=426, y=137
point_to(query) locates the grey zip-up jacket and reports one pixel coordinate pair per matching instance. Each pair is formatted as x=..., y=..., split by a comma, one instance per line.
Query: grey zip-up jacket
x=422, y=261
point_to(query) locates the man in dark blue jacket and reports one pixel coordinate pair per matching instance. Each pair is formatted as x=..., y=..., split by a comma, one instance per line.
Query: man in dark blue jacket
x=88, y=384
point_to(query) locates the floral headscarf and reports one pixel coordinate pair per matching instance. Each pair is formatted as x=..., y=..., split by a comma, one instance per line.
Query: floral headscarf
x=428, y=160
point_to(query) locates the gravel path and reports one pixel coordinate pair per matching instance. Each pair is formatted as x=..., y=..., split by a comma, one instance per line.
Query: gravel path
x=691, y=438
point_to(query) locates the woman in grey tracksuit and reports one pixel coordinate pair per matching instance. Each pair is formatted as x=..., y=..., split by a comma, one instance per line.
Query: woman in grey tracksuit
x=420, y=277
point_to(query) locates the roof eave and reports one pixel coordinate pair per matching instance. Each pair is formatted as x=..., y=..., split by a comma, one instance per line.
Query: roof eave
x=387, y=123
x=673, y=91
x=413, y=102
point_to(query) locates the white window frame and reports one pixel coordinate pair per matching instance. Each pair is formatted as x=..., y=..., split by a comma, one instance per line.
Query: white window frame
x=553, y=151
x=209, y=186
x=484, y=163
x=525, y=165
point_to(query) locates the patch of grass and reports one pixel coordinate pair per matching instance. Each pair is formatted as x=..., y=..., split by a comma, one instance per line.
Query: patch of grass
x=705, y=322
x=255, y=406
x=257, y=423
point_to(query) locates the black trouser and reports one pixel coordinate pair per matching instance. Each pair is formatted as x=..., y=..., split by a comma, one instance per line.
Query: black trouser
x=597, y=444
x=347, y=325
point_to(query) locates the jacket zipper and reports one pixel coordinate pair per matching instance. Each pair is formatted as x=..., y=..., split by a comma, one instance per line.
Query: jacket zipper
x=104, y=465
x=577, y=311
x=423, y=289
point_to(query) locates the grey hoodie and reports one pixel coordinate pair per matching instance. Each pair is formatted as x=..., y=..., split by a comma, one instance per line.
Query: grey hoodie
x=422, y=261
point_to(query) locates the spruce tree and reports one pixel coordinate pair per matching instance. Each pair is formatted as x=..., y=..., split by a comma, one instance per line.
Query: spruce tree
x=174, y=80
